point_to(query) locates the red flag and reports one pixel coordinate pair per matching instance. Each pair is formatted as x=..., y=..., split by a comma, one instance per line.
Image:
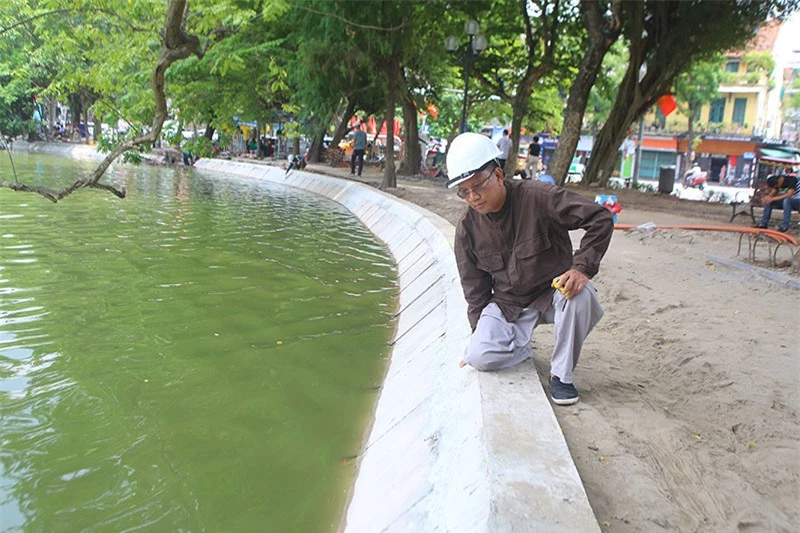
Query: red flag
x=432, y=109
x=667, y=104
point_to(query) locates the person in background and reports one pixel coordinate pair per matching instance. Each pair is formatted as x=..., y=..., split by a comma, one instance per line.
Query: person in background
x=534, y=157
x=694, y=176
x=359, y=149
x=516, y=264
x=504, y=144
x=784, y=193
x=723, y=175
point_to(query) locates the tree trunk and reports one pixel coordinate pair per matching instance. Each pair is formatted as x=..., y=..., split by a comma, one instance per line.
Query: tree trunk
x=412, y=162
x=315, y=148
x=519, y=109
x=516, y=126
x=209, y=133
x=627, y=107
x=341, y=128
x=260, y=153
x=601, y=37
x=52, y=108
x=98, y=128
x=76, y=110
x=374, y=145
x=389, y=174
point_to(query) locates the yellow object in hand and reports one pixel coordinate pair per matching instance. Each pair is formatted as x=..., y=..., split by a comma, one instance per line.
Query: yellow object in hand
x=557, y=285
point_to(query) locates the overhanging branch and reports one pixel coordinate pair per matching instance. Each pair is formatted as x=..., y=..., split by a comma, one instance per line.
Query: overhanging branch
x=177, y=45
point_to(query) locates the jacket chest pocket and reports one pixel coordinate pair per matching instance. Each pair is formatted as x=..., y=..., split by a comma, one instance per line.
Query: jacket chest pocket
x=490, y=262
x=529, y=258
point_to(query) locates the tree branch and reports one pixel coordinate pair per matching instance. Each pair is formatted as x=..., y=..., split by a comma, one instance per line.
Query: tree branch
x=350, y=22
x=177, y=45
x=72, y=10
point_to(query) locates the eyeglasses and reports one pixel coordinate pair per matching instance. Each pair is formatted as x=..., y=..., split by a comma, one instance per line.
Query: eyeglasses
x=465, y=193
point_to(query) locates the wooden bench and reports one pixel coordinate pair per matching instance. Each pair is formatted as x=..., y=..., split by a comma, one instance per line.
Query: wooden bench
x=742, y=204
x=743, y=208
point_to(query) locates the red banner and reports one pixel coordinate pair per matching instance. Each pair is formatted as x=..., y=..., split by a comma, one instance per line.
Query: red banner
x=667, y=104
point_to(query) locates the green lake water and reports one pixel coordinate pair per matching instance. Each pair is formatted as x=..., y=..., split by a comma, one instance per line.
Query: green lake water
x=200, y=356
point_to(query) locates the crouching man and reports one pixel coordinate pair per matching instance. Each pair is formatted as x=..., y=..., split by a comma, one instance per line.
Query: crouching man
x=516, y=263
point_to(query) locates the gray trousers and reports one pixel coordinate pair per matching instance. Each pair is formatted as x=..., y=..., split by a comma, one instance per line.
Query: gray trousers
x=497, y=343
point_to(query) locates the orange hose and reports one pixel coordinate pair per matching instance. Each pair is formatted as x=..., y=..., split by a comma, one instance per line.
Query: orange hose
x=777, y=235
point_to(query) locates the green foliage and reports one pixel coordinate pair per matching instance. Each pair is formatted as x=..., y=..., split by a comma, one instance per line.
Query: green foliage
x=740, y=78
x=242, y=76
x=199, y=146
x=299, y=63
x=699, y=83
x=449, y=119
x=541, y=60
x=760, y=62
x=792, y=100
x=18, y=74
x=90, y=54
x=546, y=110
x=111, y=139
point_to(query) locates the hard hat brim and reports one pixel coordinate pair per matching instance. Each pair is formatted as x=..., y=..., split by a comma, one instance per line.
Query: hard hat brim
x=464, y=176
x=461, y=178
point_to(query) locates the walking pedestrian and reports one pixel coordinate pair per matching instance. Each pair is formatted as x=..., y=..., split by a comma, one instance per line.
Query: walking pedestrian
x=359, y=149
x=504, y=144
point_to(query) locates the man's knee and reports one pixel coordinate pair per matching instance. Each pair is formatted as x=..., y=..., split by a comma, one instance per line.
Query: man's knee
x=493, y=352
x=483, y=365
x=486, y=355
x=584, y=304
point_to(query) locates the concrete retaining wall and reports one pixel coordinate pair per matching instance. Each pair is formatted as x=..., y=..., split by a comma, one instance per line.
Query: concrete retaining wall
x=81, y=152
x=450, y=449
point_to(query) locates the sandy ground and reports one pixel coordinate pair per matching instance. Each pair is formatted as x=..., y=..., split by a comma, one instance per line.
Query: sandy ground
x=689, y=385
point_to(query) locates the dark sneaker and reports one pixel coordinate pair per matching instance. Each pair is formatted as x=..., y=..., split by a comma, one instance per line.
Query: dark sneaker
x=783, y=229
x=562, y=393
x=760, y=226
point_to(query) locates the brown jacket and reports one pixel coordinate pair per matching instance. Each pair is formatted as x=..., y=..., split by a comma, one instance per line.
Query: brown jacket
x=511, y=257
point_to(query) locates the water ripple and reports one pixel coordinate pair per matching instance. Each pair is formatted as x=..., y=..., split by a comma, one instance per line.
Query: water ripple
x=174, y=360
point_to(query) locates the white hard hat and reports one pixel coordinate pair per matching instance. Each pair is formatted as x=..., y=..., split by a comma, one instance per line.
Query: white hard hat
x=468, y=153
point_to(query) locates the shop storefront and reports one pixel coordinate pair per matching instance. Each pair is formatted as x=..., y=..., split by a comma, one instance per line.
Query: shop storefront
x=727, y=160
x=776, y=159
x=657, y=152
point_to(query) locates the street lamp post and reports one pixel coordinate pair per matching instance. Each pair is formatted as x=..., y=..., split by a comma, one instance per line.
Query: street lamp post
x=476, y=45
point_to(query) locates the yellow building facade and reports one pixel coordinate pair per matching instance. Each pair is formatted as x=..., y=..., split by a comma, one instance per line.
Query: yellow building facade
x=739, y=109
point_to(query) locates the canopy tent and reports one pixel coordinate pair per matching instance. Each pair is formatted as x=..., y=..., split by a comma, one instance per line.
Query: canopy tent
x=779, y=161
x=778, y=152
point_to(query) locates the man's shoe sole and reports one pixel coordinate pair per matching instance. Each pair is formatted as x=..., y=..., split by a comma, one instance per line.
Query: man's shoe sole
x=568, y=401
